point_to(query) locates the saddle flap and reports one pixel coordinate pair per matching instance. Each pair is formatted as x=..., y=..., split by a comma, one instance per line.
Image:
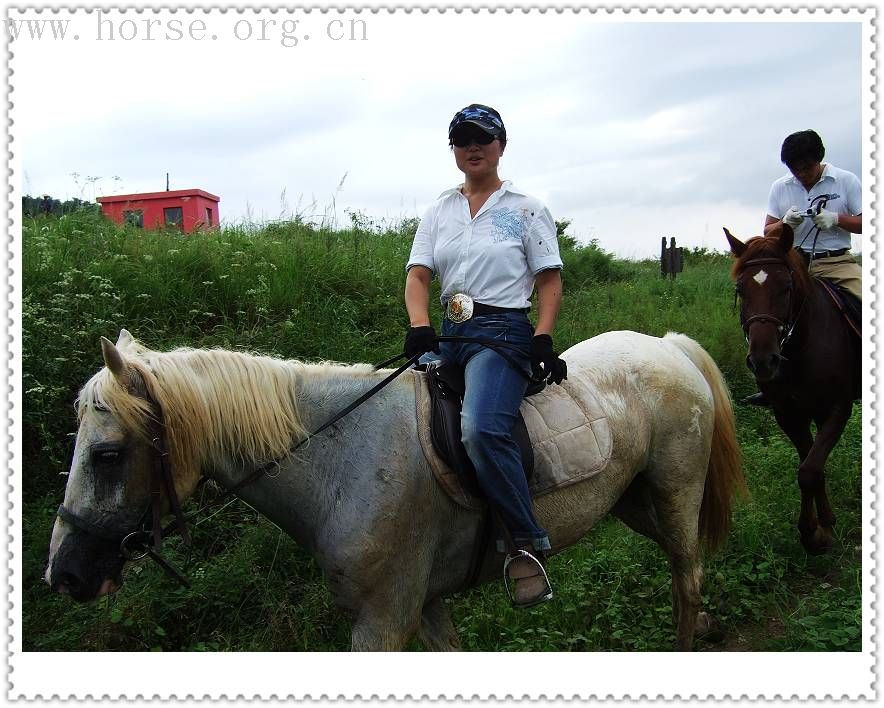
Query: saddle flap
x=849, y=306
x=447, y=388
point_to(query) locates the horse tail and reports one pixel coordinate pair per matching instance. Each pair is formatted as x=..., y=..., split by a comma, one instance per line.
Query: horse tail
x=724, y=475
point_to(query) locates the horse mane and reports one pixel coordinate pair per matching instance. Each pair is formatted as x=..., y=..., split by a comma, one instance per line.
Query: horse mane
x=216, y=403
x=769, y=247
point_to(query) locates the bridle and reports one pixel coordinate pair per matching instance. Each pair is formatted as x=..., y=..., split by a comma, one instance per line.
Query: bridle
x=146, y=538
x=785, y=328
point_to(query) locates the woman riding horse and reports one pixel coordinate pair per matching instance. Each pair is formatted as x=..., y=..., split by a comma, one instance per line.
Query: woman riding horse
x=490, y=244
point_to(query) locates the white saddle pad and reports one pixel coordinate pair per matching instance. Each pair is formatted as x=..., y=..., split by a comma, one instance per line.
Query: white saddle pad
x=569, y=432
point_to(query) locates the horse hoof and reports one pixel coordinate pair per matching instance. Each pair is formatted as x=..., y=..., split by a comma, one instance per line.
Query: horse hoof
x=817, y=543
x=708, y=629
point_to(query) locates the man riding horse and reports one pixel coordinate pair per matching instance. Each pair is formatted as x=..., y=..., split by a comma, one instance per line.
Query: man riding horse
x=822, y=204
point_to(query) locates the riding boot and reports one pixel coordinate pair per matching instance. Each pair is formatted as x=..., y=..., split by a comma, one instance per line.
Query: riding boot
x=757, y=399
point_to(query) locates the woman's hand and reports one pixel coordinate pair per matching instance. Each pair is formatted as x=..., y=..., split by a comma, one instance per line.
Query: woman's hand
x=545, y=362
x=420, y=340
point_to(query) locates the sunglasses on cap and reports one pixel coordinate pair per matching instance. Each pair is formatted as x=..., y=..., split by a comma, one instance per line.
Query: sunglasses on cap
x=467, y=138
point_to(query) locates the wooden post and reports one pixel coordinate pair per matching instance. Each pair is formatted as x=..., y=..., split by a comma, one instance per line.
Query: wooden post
x=671, y=259
x=663, y=260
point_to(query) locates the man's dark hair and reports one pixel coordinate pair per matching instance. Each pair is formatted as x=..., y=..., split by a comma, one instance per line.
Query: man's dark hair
x=802, y=147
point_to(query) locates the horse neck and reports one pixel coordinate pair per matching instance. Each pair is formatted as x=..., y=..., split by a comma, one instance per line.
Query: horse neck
x=298, y=494
x=323, y=391
x=808, y=311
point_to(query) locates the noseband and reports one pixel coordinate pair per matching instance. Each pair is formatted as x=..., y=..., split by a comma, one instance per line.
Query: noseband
x=784, y=328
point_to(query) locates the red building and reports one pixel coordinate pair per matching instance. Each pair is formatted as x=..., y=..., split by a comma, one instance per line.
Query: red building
x=188, y=209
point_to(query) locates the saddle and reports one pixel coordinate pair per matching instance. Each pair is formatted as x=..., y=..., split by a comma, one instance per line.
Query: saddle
x=851, y=309
x=446, y=385
x=849, y=305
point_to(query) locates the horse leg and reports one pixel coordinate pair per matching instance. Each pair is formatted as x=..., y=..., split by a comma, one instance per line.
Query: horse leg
x=437, y=631
x=676, y=510
x=797, y=428
x=385, y=591
x=687, y=578
x=383, y=625
x=636, y=509
x=813, y=473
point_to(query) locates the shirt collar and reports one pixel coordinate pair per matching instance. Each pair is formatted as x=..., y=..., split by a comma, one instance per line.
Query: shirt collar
x=826, y=173
x=506, y=186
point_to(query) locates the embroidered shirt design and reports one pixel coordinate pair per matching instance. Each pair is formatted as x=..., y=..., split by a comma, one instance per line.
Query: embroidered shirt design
x=508, y=224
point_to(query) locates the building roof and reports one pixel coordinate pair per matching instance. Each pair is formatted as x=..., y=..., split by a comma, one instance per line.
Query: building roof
x=158, y=195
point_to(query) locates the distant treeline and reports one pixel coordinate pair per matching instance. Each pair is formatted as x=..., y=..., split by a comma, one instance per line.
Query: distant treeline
x=32, y=206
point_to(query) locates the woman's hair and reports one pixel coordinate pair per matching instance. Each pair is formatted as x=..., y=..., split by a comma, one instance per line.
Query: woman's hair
x=801, y=147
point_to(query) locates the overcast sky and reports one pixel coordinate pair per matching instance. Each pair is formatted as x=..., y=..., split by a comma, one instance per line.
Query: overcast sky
x=631, y=130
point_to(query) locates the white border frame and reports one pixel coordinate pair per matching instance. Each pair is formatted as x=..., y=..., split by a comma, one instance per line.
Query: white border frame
x=413, y=676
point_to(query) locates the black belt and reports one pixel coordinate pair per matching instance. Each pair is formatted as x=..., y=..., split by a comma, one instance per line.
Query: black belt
x=480, y=309
x=822, y=254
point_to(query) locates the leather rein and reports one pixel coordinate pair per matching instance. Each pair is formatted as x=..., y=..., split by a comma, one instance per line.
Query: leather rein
x=147, y=537
x=784, y=328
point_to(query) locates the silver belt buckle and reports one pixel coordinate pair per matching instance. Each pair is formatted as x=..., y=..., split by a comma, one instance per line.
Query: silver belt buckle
x=459, y=308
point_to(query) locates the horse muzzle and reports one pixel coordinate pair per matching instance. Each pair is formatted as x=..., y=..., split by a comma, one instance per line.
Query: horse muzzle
x=85, y=570
x=765, y=367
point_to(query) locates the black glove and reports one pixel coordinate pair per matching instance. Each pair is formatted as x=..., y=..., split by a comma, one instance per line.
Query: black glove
x=420, y=340
x=553, y=369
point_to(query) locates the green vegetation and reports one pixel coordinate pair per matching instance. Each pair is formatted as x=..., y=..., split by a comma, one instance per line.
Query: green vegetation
x=291, y=289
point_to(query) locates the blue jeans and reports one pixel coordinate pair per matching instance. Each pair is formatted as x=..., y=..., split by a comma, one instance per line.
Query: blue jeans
x=494, y=392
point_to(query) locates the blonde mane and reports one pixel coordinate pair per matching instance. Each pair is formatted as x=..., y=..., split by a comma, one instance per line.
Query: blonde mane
x=218, y=405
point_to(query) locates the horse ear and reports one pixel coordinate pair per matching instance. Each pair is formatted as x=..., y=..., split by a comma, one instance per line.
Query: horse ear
x=114, y=361
x=125, y=339
x=786, y=237
x=738, y=248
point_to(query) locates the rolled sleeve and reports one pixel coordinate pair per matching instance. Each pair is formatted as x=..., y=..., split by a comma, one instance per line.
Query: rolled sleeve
x=541, y=244
x=854, y=197
x=773, y=203
x=424, y=241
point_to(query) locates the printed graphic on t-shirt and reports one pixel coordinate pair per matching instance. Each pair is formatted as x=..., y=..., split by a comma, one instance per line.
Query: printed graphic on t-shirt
x=508, y=224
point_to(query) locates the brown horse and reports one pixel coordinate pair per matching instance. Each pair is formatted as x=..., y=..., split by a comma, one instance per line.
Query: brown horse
x=804, y=359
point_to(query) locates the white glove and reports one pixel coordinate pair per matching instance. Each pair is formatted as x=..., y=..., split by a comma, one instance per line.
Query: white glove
x=825, y=220
x=793, y=218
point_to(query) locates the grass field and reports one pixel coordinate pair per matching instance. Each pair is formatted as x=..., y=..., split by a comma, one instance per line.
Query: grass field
x=293, y=290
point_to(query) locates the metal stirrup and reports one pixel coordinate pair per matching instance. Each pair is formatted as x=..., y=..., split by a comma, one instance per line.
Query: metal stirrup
x=519, y=553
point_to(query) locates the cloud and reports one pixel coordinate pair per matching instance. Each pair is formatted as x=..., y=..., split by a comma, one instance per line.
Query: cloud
x=626, y=128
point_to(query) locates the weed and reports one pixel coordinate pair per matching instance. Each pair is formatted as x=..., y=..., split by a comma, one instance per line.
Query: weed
x=300, y=290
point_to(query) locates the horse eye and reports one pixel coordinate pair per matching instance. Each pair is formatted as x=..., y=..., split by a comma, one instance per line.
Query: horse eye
x=106, y=457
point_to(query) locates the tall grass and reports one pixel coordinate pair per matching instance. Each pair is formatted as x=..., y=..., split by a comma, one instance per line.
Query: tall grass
x=296, y=290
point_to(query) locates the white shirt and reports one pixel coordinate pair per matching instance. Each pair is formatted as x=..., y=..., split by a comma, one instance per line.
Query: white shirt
x=787, y=192
x=494, y=256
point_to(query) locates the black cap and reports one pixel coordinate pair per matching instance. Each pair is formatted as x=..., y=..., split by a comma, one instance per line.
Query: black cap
x=484, y=117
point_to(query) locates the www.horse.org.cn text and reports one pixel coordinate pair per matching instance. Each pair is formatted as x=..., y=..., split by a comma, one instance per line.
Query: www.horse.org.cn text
x=119, y=28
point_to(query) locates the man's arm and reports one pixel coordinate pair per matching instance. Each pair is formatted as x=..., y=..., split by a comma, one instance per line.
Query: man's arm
x=853, y=224
x=769, y=222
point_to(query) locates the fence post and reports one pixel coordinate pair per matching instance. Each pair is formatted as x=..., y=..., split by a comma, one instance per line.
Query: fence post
x=671, y=259
x=663, y=264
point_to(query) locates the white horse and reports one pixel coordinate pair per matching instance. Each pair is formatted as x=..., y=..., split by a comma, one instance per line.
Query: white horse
x=361, y=496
